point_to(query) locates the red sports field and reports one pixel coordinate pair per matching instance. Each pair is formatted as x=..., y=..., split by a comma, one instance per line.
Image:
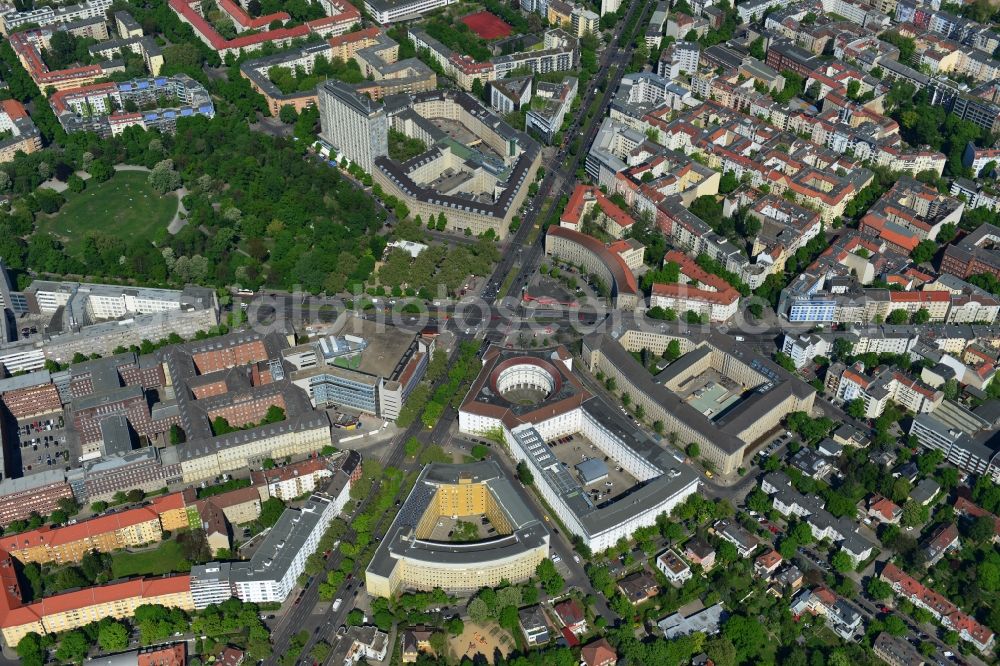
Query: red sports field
x=486, y=25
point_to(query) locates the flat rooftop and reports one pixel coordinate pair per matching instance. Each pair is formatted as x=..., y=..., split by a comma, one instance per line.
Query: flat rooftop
x=671, y=476
x=282, y=544
x=711, y=393
x=387, y=348
x=581, y=451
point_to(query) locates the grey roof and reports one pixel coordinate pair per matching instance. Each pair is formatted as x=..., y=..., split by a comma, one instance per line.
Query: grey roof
x=9, y=486
x=955, y=416
x=736, y=533
x=592, y=470
x=707, y=621
x=989, y=411
x=108, y=397
x=121, y=659
x=112, y=462
x=515, y=173
x=282, y=544
x=925, y=490
x=400, y=541
x=116, y=434
x=532, y=618
x=723, y=431
x=196, y=449
x=348, y=95
x=898, y=650
x=669, y=477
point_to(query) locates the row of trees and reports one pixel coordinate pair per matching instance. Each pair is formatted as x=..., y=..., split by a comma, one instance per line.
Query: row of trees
x=232, y=622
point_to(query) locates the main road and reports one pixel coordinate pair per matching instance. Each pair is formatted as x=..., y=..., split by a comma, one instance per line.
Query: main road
x=557, y=182
x=560, y=180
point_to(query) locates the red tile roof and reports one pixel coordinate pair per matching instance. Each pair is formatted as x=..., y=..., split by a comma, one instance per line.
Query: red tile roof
x=167, y=655
x=58, y=536
x=944, y=537
x=293, y=471
x=916, y=591
x=356, y=36
x=624, y=279
x=14, y=614
x=886, y=508
x=573, y=212
x=58, y=100
x=723, y=293
x=13, y=109
x=919, y=297
x=32, y=400
x=967, y=508
x=879, y=225
x=857, y=378
x=230, y=656
x=238, y=14
x=570, y=611
x=349, y=14
x=597, y=653
x=769, y=560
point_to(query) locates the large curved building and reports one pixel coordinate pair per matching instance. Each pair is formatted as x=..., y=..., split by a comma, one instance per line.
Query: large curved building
x=420, y=551
x=597, y=259
x=600, y=474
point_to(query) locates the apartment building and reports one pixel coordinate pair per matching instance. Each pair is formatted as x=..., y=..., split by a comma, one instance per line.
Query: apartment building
x=968, y=448
x=71, y=610
x=909, y=213
x=278, y=562
x=673, y=567
x=485, y=188
x=877, y=391
x=384, y=12
x=944, y=611
x=403, y=562
x=353, y=124
x=790, y=502
x=713, y=298
x=24, y=136
x=103, y=107
x=280, y=559
x=597, y=259
x=124, y=529
x=51, y=14
x=723, y=439
x=896, y=651
x=374, y=51
x=27, y=46
x=552, y=102
x=290, y=481
x=341, y=17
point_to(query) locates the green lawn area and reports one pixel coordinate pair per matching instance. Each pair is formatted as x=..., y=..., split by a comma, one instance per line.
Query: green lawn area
x=349, y=362
x=167, y=558
x=124, y=206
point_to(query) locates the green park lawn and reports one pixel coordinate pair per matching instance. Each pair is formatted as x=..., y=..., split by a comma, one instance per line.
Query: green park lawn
x=168, y=557
x=124, y=206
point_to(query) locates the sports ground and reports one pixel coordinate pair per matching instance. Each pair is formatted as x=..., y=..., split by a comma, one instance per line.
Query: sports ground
x=486, y=25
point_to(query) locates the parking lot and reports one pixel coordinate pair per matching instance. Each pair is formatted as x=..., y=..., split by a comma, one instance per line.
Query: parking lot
x=571, y=450
x=42, y=444
x=773, y=446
